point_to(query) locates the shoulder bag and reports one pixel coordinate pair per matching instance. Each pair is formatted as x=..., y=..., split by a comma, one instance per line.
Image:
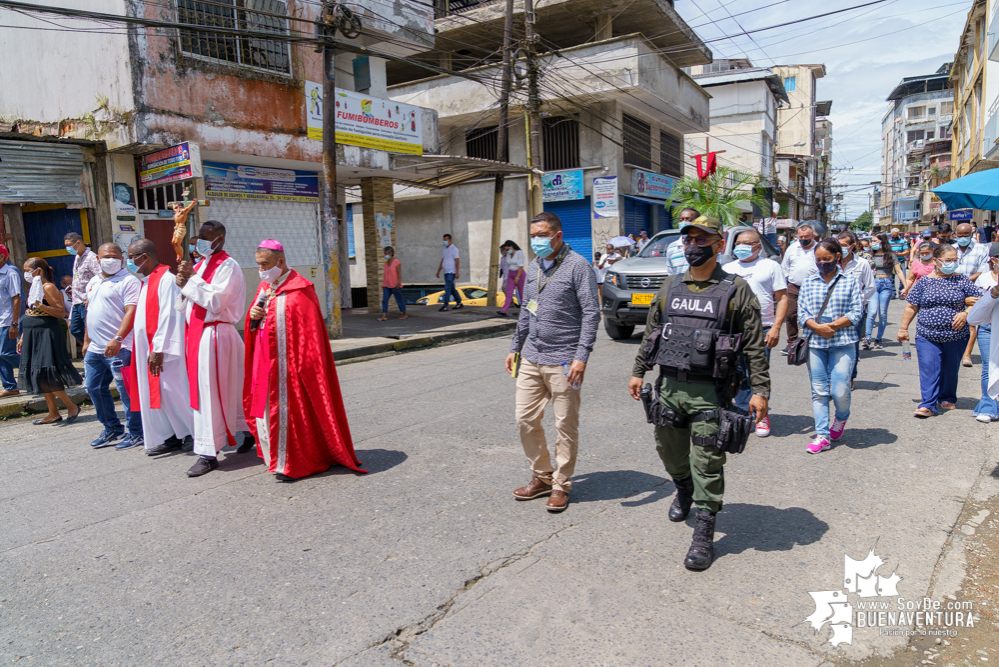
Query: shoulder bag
x=798, y=353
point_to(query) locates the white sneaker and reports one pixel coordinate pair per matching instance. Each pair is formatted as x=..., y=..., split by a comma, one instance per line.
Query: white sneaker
x=763, y=427
x=985, y=419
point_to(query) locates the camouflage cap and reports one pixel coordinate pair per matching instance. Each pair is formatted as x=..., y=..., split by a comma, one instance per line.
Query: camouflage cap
x=709, y=225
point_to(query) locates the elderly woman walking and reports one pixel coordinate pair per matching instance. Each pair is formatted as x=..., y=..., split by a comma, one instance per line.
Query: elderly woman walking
x=940, y=304
x=830, y=305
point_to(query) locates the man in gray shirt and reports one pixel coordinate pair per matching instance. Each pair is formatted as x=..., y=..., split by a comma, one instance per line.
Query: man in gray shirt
x=554, y=337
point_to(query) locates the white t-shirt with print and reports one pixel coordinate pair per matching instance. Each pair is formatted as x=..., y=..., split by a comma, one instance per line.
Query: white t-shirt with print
x=765, y=277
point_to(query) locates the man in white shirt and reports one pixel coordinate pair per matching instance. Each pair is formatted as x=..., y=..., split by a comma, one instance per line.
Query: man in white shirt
x=642, y=241
x=111, y=296
x=676, y=261
x=766, y=279
x=451, y=266
x=215, y=298
x=798, y=265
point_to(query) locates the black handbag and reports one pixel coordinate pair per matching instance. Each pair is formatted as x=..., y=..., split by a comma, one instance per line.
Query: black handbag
x=798, y=354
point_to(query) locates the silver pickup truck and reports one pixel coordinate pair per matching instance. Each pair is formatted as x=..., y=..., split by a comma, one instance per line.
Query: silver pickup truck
x=631, y=284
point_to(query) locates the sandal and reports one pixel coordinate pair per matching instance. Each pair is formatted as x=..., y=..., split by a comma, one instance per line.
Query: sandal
x=41, y=422
x=382, y=319
x=947, y=406
x=967, y=363
x=922, y=413
x=72, y=418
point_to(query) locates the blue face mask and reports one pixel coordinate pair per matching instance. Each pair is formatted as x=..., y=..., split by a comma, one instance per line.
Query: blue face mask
x=445, y=244
x=204, y=248
x=743, y=251
x=71, y=250
x=875, y=246
x=963, y=241
x=948, y=268
x=192, y=247
x=130, y=265
x=542, y=246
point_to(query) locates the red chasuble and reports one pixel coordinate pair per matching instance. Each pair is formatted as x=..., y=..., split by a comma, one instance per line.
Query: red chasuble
x=290, y=374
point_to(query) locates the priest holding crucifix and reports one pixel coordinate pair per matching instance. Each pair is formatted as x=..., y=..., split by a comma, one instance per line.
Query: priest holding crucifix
x=214, y=294
x=291, y=393
x=158, y=384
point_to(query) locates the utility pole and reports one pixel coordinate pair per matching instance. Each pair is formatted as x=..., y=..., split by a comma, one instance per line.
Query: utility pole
x=331, y=232
x=534, y=157
x=502, y=156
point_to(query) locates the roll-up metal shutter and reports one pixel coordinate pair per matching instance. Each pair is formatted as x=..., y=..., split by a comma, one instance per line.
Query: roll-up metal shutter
x=637, y=216
x=40, y=173
x=577, y=229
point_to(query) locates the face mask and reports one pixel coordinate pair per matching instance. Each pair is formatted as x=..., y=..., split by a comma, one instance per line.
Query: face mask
x=963, y=241
x=445, y=244
x=204, y=248
x=698, y=255
x=110, y=265
x=846, y=252
x=926, y=259
x=875, y=246
x=71, y=250
x=805, y=243
x=271, y=274
x=948, y=268
x=28, y=277
x=130, y=265
x=826, y=268
x=542, y=246
x=388, y=257
x=192, y=248
x=945, y=240
x=743, y=251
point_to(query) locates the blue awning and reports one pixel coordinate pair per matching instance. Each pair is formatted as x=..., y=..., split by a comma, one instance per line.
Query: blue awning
x=979, y=191
x=660, y=202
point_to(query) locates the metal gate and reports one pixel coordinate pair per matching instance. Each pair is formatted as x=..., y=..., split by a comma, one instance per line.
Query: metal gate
x=577, y=228
x=248, y=222
x=45, y=227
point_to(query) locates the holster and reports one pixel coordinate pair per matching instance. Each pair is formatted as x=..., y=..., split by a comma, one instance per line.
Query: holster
x=733, y=431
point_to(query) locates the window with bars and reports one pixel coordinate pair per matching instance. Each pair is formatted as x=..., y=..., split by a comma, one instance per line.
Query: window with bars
x=483, y=142
x=251, y=15
x=560, y=143
x=637, y=142
x=156, y=199
x=670, y=155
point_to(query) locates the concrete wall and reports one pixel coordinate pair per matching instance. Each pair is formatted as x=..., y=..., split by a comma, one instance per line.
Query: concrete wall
x=48, y=76
x=742, y=124
x=797, y=120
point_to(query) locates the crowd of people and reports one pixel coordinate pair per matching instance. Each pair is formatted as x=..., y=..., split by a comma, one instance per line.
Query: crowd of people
x=187, y=379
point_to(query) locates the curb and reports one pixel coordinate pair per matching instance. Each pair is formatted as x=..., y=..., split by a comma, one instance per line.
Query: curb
x=32, y=404
x=417, y=342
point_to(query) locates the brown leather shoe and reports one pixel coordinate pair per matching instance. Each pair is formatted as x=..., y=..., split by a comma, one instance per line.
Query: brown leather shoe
x=9, y=392
x=535, y=489
x=558, y=502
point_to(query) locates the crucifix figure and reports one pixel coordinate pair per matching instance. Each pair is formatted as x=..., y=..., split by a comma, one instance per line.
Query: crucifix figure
x=181, y=210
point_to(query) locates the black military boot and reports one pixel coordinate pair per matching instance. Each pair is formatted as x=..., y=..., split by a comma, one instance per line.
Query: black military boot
x=684, y=498
x=702, y=550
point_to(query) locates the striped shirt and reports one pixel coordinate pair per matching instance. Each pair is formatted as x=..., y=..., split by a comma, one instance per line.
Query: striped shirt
x=845, y=300
x=563, y=328
x=973, y=260
x=676, y=261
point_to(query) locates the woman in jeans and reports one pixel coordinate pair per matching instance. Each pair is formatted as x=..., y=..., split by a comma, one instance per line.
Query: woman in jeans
x=886, y=266
x=941, y=301
x=831, y=351
x=987, y=409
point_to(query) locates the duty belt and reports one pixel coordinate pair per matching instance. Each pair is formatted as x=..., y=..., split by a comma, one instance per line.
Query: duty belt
x=685, y=376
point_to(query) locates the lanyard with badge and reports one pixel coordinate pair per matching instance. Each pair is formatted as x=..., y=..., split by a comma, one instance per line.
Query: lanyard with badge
x=532, y=305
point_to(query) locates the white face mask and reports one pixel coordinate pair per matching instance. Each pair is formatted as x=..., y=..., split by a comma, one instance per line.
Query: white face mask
x=110, y=265
x=204, y=248
x=270, y=275
x=28, y=277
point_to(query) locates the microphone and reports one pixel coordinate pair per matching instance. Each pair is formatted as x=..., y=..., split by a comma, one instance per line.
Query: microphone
x=255, y=324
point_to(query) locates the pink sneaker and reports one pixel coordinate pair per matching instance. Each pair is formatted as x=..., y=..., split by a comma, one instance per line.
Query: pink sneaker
x=763, y=427
x=836, y=432
x=817, y=445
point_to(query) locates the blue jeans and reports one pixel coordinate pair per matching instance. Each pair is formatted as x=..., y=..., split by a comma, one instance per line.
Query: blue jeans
x=449, y=291
x=856, y=346
x=399, y=300
x=939, y=364
x=78, y=322
x=829, y=370
x=746, y=390
x=9, y=359
x=100, y=371
x=772, y=238
x=877, y=308
x=986, y=405
x=901, y=283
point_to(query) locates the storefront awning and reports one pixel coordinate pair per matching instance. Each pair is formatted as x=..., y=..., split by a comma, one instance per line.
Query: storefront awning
x=648, y=200
x=432, y=172
x=40, y=173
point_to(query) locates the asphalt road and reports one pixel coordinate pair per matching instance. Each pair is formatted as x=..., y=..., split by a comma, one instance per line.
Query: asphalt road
x=114, y=558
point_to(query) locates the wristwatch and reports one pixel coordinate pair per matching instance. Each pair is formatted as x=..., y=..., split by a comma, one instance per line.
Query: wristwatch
x=764, y=394
x=119, y=339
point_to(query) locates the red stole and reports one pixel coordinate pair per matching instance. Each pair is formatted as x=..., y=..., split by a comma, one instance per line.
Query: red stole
x=152, y=290
x=196, y=326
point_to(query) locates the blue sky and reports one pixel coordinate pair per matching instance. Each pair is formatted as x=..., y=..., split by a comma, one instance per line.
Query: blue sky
x=866, y=53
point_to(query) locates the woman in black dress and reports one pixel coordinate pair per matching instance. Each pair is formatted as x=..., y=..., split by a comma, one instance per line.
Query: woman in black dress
x=45, y=364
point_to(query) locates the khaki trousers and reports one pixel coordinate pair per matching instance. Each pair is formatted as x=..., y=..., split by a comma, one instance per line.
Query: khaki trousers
x=537, y=386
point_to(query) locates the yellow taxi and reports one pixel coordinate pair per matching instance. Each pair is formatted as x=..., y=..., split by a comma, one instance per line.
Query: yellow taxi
x=470, y=296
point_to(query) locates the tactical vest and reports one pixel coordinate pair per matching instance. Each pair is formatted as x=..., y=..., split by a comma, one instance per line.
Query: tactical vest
x=697, y=342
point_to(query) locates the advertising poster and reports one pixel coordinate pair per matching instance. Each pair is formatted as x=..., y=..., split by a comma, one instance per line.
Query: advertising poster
x=239, y=181
x=124, y=199
x=362, y=120
x=648, y=184
x=177, y=163
x=605, y=197
x=562, y=185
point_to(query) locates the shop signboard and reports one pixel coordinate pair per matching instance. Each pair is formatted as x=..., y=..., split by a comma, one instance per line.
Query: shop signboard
x=176, y=163
x=239, y=181
x=647, y=184
x=605, y=197
x=960, y=214
x=362, y=120
x=562, y=185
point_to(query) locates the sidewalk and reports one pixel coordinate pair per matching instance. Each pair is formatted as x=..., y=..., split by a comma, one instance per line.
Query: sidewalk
x=363, y=337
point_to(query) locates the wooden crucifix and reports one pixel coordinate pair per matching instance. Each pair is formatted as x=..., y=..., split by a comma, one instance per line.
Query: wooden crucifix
x=182, y=209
